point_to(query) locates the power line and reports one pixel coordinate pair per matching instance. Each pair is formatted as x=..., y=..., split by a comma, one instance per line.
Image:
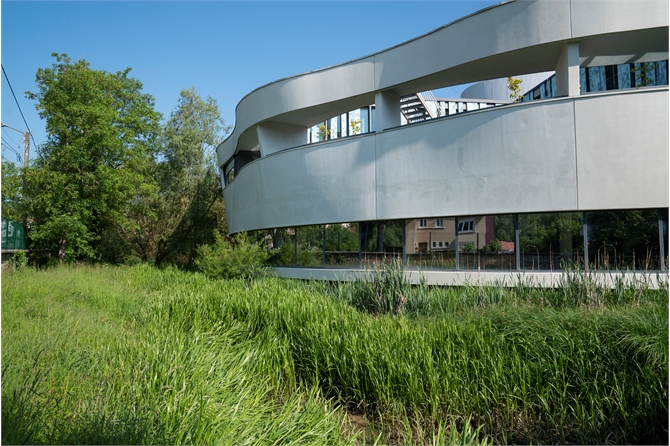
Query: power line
x=12, y=139
x=17, y=104
x=9, y=146
x=7, y=143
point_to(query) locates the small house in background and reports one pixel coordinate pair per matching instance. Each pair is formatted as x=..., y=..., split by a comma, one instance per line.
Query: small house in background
x=507, y=247
x=424, y=235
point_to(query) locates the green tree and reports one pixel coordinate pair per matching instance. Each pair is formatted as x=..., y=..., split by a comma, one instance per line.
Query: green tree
x=551, y=232
x=11, y=191
x=469, y=248
x=503, y=227
x=514, y=87
x=632, y=233
x=100, y=127
x=644, y=73
x=341, y=238
x=324, y=132
x=188, y=209
x=494, y=245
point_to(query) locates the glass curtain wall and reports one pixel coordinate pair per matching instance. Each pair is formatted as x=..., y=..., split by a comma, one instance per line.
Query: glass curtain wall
x=609, y=77
x=283, y=246
x=625, y=240
x=550, y=242
x=342, y=245
x=309, y=245
x=380, y=241
x=617, y=240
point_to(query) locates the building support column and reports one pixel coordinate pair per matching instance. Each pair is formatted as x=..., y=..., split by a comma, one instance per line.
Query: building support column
x=295, y=246
x=662, y=222
x=517, y=248
x=404, y=242
x=274, y=137
x=324, y=245
x=360, y=245
x=458, y=248
x=387, y=110
x=567, y=71
x=585, y=230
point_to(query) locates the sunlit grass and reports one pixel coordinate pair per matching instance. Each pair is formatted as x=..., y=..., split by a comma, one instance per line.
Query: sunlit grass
x=146, y=356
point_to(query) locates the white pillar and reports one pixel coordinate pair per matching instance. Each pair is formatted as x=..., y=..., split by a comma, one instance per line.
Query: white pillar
x=274, y=137
x=387, y=110
x=567, y=70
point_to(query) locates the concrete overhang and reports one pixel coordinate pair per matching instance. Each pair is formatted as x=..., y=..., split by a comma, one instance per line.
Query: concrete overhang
x=513, y=38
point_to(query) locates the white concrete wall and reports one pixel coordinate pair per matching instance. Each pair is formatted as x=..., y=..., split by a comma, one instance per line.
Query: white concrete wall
x=326, y=182
x=623, y=144
x=597, y=151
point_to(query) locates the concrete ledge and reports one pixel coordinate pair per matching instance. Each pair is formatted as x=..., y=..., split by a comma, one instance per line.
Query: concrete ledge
x=543, y=279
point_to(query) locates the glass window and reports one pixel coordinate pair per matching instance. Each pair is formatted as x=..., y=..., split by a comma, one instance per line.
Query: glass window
x=365, y=120
x=645, y=74
x=611, y=77
x=466, y=225
x=553, y=86
x=230, y=176
x=623, y=76
x=662, y=73
x=423, y=223
x=583, y=81
x=597, y=79
x=355, y=123
x=439, y=223
x=453, y=107
x=333, y=128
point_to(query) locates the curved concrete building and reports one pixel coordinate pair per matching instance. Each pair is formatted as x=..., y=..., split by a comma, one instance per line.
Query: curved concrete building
x=572, y=151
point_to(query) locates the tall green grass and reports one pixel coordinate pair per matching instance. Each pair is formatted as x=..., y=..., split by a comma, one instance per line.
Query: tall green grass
x=183, y=359
x=89, y=358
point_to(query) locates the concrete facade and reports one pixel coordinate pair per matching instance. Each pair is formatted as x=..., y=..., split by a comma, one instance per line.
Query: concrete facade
x=606, y=150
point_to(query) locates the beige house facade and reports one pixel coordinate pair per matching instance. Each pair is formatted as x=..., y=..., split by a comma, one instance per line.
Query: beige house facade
x=424, y=235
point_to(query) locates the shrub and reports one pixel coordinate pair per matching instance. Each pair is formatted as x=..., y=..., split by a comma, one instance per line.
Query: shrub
x=495, y=245
x=18, y=260
x=386, y=291
x=228, y=259
x=469, y=247
x=285, y=256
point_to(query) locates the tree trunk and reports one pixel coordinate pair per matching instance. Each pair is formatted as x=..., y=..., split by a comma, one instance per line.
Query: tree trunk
x=380, y=237
x=62, y=243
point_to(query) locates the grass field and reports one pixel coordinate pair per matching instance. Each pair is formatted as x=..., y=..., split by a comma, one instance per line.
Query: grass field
x=140, y=355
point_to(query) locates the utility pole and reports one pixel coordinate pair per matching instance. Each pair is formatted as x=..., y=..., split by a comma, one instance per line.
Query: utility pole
x=26, y=149
x=26, y=143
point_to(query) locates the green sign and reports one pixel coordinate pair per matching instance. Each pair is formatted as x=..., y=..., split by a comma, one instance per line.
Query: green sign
x=13, y=235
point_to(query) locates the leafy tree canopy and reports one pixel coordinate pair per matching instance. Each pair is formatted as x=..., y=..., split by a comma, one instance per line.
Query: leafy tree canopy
x=100, y=130
x=188, y=209
x=11, y=191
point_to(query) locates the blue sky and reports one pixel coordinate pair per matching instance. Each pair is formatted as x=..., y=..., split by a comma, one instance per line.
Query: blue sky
x=224, y=49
